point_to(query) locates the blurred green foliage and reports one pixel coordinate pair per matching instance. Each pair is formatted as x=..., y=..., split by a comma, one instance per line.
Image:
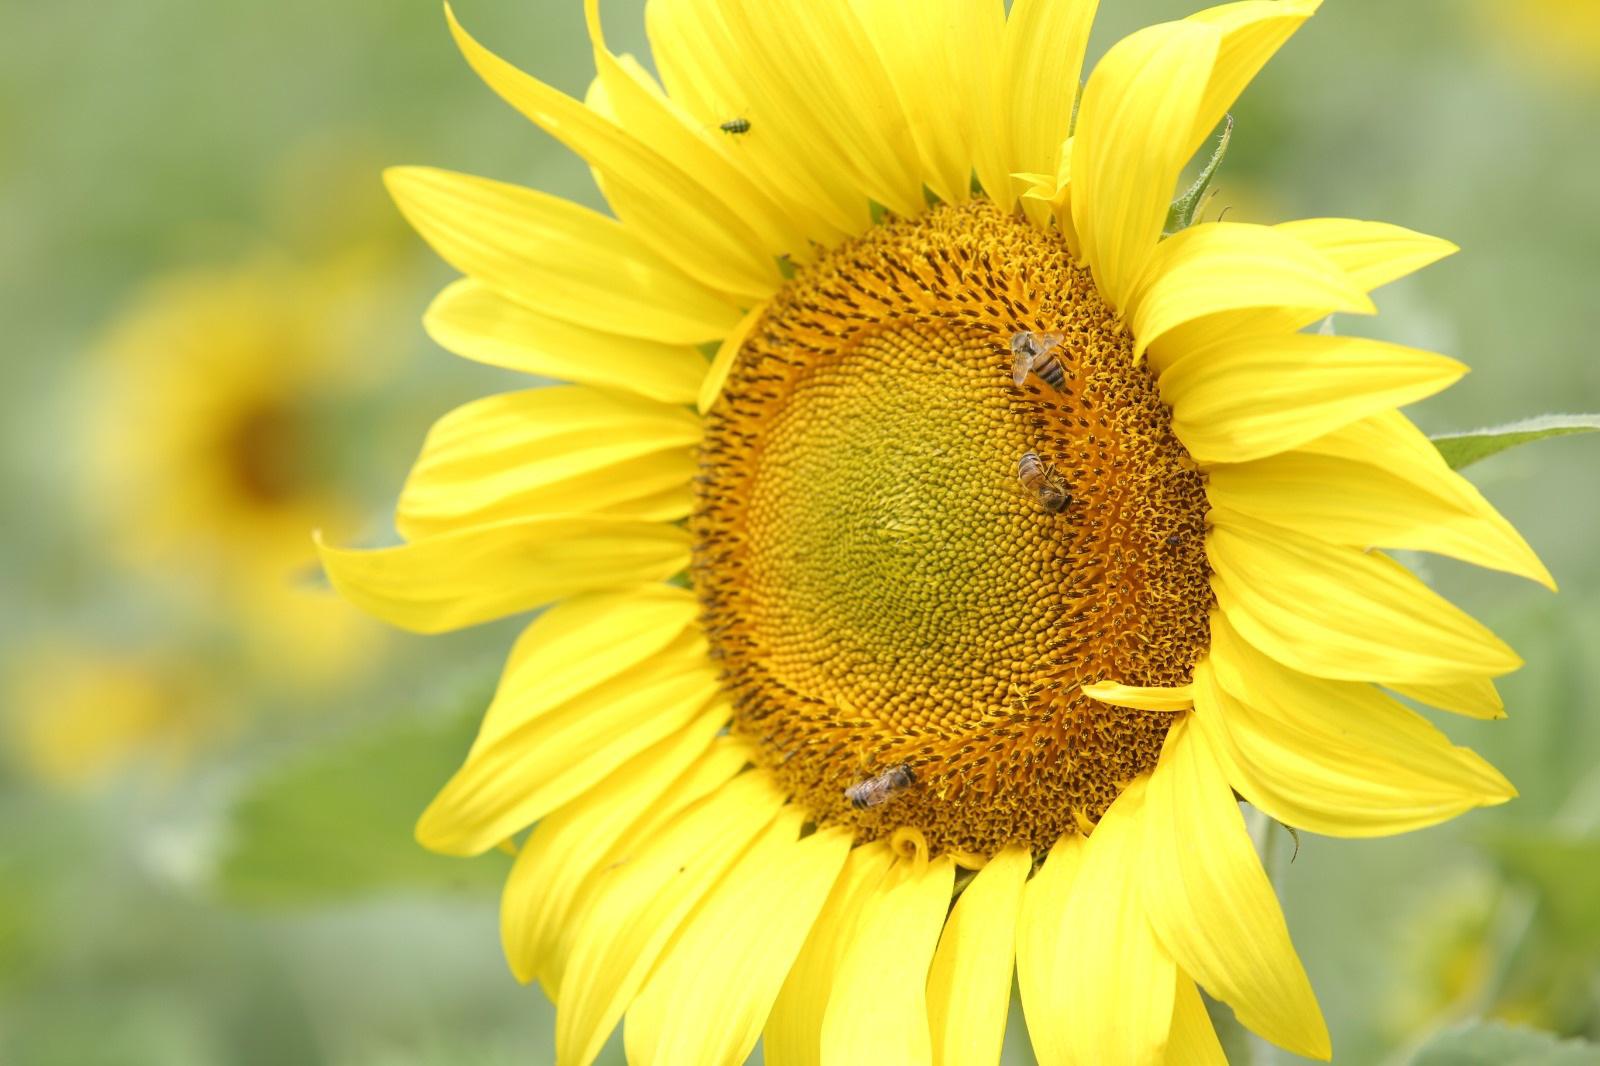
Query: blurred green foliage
x=263, y=902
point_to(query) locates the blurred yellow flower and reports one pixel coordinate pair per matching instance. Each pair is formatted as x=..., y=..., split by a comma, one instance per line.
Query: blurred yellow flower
x=1554, y=36
x=934, y=626
x=76, y=714
x=208, y=457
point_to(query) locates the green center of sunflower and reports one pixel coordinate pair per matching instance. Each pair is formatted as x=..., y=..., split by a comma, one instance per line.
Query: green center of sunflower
x=909, y=563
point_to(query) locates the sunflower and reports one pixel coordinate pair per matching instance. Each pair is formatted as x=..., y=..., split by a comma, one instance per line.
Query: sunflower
x=208, y=456
x=937, y=625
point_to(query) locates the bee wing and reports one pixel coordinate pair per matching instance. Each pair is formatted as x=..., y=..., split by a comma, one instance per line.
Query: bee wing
x=1047, y=341
x=1020, y=367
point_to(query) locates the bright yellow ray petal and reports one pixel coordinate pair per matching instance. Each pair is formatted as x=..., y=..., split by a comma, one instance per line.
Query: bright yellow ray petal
x=1390, y=441
x=707, y=74
x=726, y=758
x=969, y=986
x=1180, y=698
x=1252, y=31
x=558, y=450
x=1371, y=253
x=566, y=847
x=462, y=578
x=1216, y=267
x=1130, y=145
x=849, y=111
x=642, y=903
x=556, y=258
x=475, y=322
x=1331, y=757
x=1047, y=951
x=1041, y=72
x=793, y=1036
x=1366, y=504
x=697, y=148
x=1210, y=901
x=727, y=352
x=511, y=783
x=1193, y=1041
x=878, y=1006
x=709, y=996
x=1116, y=994
x=935, y=53
x=1342, y=613
x=578, y=644
x=1475, y=697
x=665, y=206
x=1247, y=399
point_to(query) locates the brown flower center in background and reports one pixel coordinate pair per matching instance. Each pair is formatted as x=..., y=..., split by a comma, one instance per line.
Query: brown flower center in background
x=882, y=590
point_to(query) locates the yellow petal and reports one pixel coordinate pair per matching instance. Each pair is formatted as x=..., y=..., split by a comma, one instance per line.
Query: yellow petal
x=726, y=757
x=475, y=322
x=1252, y=31
x=697, y=148
x=557, y=450
x=717, y=375
x=666, y=207
x=642, y=903
x=507, y=785
x=578, y=644
x=878, y=1006
x=793, y=1036
x=1366, y=503
x=473, y=575
x=1117, y=992
x=1180, y=698
x=969, y=986
x=1331, y=757
x=1390, y=441
x=1218, y=267
x=1041, y=72
x=566, y=847
x=711, y=77
x=942, y=57
x=710, y=995
x=1130, y=145
x=556, y=258
x=1371, y=253
x=1047, y=950
x=1246, y=399
x=1341, y=613
x=1193, y=1041
x=1210, y=901
x=1475, y=697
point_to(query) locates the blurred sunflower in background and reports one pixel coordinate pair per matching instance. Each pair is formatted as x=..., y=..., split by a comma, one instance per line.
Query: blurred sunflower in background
x=209, y=449
x=1013, y=531
x=211, y=452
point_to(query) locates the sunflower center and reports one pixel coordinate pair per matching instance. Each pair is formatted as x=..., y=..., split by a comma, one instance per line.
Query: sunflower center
x=909, y=563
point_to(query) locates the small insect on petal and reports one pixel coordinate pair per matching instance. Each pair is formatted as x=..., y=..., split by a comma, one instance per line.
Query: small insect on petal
x=736, y=126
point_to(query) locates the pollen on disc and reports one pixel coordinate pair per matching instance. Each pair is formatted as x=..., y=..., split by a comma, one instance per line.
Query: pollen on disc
x=892, y=593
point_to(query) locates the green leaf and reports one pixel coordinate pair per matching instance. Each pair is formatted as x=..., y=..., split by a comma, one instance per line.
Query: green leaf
x=338, y=824
x=1464, y=449
x=1497, y=1044
x=1181, y=214
x=1564, y=870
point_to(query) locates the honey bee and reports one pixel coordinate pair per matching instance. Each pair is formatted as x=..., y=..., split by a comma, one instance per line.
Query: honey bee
x=1036, y=352
x=735, y=126
x=1043, y=483
x=878, y=790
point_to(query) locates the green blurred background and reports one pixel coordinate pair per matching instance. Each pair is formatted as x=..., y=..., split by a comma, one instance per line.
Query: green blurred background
x=210, y=767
